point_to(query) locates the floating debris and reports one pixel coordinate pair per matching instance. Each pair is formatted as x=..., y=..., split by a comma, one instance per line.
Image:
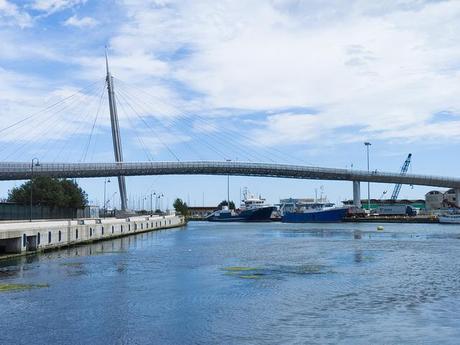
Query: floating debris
x=20, y=287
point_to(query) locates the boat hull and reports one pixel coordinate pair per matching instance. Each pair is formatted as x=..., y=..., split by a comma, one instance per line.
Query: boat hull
x=262, y=214
x=449, y=219
x=320, y=216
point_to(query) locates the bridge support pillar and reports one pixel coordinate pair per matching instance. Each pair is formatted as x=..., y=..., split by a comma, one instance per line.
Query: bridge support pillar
x=356, y=194
x=457, y=197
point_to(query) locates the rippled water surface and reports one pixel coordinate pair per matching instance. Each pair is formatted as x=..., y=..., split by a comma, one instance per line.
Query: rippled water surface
x=241, y=284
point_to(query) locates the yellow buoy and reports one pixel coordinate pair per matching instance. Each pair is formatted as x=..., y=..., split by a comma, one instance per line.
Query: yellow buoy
x=380, y=227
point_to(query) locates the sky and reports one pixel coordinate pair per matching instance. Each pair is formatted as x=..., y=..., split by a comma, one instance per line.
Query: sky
x=288, y=81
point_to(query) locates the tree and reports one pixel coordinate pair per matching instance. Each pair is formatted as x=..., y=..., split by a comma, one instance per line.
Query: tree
x=225, y=203
x=51, y=192
x=181, y=207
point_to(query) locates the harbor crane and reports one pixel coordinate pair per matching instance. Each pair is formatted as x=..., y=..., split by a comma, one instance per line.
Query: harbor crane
x=404, y=169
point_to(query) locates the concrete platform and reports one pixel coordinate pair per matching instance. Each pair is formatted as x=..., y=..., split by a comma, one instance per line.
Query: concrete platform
x=17, y=238
x=392, y=219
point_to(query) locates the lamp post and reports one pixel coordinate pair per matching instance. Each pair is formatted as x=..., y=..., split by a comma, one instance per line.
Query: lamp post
x=368, y=183
x=143, y=203
x=151, y=201
x=106, y=180
x=111, y=200
x=159, y=196
x=36, y=163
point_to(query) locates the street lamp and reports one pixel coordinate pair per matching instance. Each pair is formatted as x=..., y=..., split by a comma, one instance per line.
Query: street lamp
x=106, y=180
x=143, y=203
x=151, y=201
x=159, y=196
x=34, y=162
x=111, y=200
x=368, y=183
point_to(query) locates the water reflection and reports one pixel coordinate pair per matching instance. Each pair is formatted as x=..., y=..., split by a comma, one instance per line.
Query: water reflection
x=358, y=255
x=239, y=284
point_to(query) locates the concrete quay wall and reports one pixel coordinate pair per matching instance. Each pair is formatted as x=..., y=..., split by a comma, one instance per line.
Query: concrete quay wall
x=25, y=237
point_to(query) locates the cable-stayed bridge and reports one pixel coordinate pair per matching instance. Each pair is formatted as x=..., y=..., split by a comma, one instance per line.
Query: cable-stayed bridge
x=21, y=171
x=208, y=136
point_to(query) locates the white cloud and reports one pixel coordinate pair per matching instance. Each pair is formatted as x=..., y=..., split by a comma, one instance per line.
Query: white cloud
x=84, y=22
x=383, y=67
x=23, y=96
x=160, y=141
x=14, y=46
x=52, y=6
x=10, y=14
x=370, y=70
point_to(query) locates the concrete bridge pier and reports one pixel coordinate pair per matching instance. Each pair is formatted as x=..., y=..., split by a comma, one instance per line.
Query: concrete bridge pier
x=457, y=197
x=356, y=194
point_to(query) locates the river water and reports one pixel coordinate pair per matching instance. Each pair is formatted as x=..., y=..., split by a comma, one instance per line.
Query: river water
x=211, y=283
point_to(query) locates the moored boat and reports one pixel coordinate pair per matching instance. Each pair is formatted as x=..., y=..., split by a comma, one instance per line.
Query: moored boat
x=315, y=212
x=449, y=218
x=253, y=209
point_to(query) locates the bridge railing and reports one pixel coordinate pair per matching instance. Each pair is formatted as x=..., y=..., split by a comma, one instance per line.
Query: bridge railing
x=11, y=170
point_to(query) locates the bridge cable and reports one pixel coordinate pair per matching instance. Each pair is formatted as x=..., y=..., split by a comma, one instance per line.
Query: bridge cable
x=155, y=134
x=93, y=150
x=80, y=129
x=168, y=128
x=161, y=141
x=33, y=133
x=125, y=95
x=48, y=107
x=94, y=124
x=37, y=127
x=190, y=123
x=64, y=127
x=133, y=128
x=272, y=151
x=200, y=139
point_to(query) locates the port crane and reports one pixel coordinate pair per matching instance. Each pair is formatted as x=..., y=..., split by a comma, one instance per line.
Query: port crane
x=404, y=169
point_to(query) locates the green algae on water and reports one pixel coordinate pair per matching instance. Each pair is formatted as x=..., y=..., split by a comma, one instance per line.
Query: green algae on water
x=276, y=271
x=20, y=287
x=244, y=272
x=72, y=264
x=250, y=276
x=238, y=268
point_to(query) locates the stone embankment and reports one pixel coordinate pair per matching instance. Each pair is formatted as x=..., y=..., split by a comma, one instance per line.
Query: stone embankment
x=19, y=238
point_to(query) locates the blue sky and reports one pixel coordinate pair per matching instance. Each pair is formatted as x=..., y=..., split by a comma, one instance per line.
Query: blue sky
x=285, y=80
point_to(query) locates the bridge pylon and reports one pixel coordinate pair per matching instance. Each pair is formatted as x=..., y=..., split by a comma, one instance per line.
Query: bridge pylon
x=357, y=194
x=116, y=138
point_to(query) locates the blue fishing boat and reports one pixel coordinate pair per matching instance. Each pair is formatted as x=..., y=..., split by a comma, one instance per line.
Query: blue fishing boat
x=315, y=212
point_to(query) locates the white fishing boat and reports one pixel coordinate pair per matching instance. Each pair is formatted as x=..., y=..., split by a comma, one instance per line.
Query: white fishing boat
x=252, y=209
x=449, y=218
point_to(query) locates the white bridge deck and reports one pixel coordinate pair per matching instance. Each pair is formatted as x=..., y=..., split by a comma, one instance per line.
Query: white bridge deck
x=21, y=171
